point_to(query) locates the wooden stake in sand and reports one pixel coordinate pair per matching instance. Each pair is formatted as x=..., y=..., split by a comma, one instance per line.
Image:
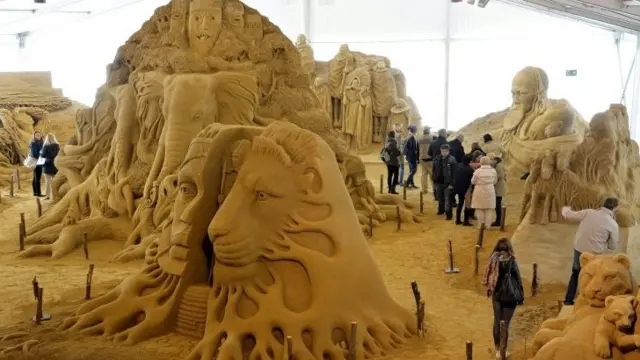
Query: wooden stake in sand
x=421, y=310
x=87, y=290
x=420, y=307
x=398, y=219
x=20, y=237
x=469, y=350
x=289, y=354
x=560, y=304
x=451, y=269
x=85, y=246
x=370, y=225
x=534, y=281
x=503, y=340
x=11, y=180
x=503, y=219
x=421, y=202
x=354, y=340
x=476, y=263
x=38, y=317
x=39, y=206
x=23, y=231
x=34, y=284
x=381, y=183
x=480, y=235
x=18, y=179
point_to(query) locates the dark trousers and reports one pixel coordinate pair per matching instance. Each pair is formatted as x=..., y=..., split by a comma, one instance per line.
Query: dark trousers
x=467, y=212
x=392, y=177
x=501, y=312
x=572, y=289
x=413, y=167
x=443, y=193
x=498, y=210
x=37, y=176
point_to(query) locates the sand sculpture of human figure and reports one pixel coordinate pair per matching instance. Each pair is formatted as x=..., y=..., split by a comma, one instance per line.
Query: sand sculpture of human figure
x=306, y=55
x=385, y=94
x=204, y=25
x=400, y=113
x=339, y=67
x=357, y=113
x=321, y=88
x=234, y=13
x=524, y=136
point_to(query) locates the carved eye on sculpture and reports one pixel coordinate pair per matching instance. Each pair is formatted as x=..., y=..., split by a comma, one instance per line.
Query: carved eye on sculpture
x=262, y=196
x=188, y=190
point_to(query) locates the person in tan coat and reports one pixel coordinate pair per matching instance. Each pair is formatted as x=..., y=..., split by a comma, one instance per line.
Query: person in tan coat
x=501, y=184
x=483, y=199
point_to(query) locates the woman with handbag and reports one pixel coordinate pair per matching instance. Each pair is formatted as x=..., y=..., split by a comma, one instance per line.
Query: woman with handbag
x=504, y=286
x=49, y=152
x=35, y=146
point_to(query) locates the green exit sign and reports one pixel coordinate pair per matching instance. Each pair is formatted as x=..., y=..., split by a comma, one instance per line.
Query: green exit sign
x=572, y=72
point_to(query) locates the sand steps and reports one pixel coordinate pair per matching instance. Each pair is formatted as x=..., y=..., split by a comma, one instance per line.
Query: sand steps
x=192, y=311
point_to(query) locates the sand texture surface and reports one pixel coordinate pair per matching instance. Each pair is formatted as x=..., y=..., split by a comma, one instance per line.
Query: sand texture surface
x=457, y=309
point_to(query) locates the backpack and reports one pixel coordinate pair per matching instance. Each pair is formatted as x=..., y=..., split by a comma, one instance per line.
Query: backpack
x=384, y=155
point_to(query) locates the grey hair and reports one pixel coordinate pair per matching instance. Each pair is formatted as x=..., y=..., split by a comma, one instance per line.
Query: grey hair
x=442, y=132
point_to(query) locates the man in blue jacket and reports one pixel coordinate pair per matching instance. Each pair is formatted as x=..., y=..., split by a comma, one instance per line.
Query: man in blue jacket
x=410, y=152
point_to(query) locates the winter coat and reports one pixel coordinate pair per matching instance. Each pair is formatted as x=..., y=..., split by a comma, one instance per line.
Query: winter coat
x=464, y=173
x=443, y=170
x=484, y=193
x=501, y=184
x=456, y=149
x=35, y=146
x=410, y=149
x=423, y=147
x=394, y=152
x=49, y=152
x=434, y=149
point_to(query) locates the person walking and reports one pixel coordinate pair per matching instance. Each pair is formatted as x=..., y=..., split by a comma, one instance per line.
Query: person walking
x=501, y=185
x=444, y=166
x=484, y=194
x=461, y=186
x=410, y=151
x=50, y=150
x=504, y=286
x=391, y=156
x=425, y=160
x=597, y=233
x=35, y=146
x=456, y=148
x=434, y=151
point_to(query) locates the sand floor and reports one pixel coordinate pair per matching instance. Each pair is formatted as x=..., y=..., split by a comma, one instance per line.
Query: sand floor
x=457, y=309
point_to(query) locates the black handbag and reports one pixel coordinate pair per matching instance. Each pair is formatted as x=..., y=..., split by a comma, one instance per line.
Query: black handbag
x=510, y=291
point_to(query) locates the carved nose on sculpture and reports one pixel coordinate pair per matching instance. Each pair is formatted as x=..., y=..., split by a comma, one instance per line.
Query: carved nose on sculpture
x=217, y=233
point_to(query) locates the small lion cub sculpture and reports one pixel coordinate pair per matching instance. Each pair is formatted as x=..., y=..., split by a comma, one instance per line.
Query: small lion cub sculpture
x=615, y=324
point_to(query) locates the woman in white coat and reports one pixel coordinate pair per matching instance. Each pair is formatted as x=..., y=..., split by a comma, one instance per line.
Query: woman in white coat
x=484, y=193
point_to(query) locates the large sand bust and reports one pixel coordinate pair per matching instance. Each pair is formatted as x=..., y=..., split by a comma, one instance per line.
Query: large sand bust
x=287, y=256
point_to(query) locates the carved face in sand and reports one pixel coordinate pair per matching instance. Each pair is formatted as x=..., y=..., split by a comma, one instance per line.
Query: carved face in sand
x=604, y=275
x=205, y=23
x=529, y=93
x=234, y=12
x=179, y=10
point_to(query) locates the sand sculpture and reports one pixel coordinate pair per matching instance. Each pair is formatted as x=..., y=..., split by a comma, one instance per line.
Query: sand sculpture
x=169, y=81
x=363, y=95
x=603, y=279
x=264, y=244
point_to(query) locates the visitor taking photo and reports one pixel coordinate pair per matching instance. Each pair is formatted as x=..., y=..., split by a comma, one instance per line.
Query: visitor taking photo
x=504, y=286
x=50, y=150
x=35, y=146
x=597, y=233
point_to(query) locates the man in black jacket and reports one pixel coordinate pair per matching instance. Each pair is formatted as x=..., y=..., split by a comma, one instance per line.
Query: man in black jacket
x=434, y=148
x=457, y=150
x=462, y=183
x=444, y=166
x=410, y=152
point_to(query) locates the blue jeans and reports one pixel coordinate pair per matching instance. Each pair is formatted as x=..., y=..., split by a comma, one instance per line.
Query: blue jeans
x=572, y=289
x=401, y=176
x=413, y=167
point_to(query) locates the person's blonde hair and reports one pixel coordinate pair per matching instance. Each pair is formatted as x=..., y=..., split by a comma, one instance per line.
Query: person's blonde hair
x=485, y=160
x=50, y=139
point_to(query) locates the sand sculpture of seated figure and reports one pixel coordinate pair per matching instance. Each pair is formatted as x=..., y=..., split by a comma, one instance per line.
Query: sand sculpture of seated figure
x=573, y=337
x=306, y=55
x=293, y=279
x=527, y=132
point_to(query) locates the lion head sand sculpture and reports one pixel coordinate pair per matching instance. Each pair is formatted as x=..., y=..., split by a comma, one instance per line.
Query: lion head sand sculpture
x=601, y=276
x=288, y=258
x=616, y=324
